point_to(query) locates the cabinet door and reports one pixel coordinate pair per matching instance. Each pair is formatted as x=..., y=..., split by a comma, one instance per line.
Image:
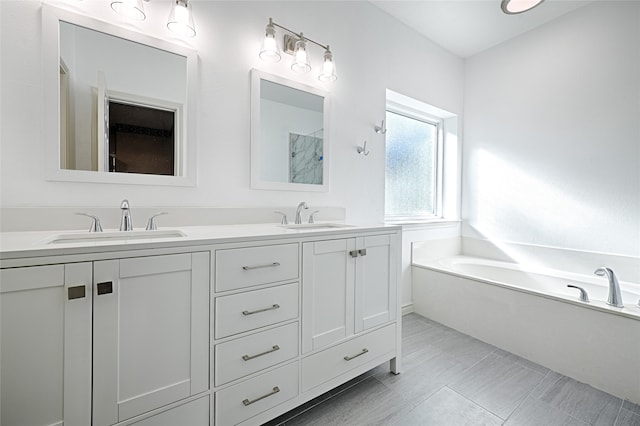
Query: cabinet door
x=151, y=333
x=45, y=341
x=328, y=274
x=375, y=281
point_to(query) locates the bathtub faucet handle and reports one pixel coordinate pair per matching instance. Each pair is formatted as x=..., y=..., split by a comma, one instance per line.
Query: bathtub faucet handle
x=583, y=293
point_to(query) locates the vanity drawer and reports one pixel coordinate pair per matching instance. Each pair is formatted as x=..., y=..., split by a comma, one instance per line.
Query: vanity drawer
x=241, y=357
x=332, y=362
x=254, y=309
x=249, y=266
x=240, y=402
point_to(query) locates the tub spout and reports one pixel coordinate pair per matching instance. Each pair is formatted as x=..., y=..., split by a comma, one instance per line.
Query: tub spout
x=615, y=298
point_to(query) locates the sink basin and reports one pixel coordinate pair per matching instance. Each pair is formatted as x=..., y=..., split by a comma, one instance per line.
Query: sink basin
x=92, y=237
x=311, y=226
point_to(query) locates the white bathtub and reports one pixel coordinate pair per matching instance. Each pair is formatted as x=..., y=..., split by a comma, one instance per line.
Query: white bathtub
x=533, y=314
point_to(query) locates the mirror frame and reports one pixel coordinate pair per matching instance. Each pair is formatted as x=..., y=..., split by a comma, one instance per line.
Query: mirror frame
x=256, y=143
x=51, y=16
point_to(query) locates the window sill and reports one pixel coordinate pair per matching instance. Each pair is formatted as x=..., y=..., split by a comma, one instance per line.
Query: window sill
x=426, y=224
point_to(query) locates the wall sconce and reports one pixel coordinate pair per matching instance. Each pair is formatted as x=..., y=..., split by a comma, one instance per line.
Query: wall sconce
x=513, y=7
x=180, y=19
x=296, y=44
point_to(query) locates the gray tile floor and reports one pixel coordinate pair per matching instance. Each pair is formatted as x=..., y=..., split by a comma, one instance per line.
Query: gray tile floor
x=452, y=379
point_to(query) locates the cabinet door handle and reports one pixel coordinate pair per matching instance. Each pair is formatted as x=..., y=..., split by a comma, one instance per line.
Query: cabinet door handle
x=273, y=349
x=105, y=288
x=349, y=358
x=353, y=253
x=269, y=265
x=362, y=252
x=271, y=308
x=273, y=392
x=77, y=292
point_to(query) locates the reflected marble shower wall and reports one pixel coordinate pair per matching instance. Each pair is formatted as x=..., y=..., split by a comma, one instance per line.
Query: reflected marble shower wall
x=305, y=158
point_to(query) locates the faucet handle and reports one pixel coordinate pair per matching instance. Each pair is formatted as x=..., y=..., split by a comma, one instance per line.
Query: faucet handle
x=284, y=220
x=583, y=293
x=311, y=218
x=95, y=223
x=151, y=223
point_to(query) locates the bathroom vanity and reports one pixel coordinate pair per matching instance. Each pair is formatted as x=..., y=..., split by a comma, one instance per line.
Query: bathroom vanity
x=215, y=325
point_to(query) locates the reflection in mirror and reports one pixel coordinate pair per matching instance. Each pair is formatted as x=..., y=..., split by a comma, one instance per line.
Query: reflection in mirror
x=116, y=115
x=117, y=103
x=288, y=144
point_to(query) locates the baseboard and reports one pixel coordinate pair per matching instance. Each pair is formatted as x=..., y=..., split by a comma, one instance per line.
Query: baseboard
x=407, y=309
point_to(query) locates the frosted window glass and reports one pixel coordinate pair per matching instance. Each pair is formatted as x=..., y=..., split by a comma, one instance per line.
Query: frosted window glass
x=410, y=176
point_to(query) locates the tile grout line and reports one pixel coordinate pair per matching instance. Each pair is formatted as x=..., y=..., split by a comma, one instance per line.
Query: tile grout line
x=619, y=411
x=528, y=395
x=476, y=404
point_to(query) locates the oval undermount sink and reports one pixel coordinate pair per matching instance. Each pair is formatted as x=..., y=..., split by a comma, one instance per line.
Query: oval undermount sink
x=92, y=237
x=311, y=226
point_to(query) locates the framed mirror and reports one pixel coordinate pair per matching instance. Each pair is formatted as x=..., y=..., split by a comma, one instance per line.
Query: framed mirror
x=119, y=105
x=289, y=134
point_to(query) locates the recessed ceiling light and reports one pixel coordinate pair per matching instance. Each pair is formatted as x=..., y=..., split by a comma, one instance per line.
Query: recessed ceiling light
x=513, y=7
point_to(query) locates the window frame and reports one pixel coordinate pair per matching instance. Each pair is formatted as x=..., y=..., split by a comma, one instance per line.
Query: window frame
x=438, y=185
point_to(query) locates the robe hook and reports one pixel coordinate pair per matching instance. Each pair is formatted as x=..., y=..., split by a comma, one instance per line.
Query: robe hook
x=381, y=129
x=363, y=149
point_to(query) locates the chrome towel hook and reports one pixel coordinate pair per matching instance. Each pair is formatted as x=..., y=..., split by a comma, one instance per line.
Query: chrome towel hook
x=363, y=149
x=381, y=129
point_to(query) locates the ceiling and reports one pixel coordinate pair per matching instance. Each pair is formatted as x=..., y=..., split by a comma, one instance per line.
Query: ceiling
x=467, y=27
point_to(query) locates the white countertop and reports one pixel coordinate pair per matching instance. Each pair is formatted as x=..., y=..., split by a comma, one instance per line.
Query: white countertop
x=16, y=245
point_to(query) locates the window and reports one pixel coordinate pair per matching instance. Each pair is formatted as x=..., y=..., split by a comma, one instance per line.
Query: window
x=422, y=176
x=413, y=184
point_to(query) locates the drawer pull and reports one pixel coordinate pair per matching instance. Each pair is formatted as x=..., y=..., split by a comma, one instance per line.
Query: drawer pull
x=270, y=265
x=273, y=392
x=271, y=308
x=349, y=358
x=273, y=349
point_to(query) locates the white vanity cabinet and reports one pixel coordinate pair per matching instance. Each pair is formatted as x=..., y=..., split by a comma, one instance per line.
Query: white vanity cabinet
x=105, y=341
x=215, y=330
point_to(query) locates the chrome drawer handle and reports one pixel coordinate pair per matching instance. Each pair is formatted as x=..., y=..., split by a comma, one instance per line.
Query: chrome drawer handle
x=270, y=265
x=273, y=392
x=273, y=349
x=275, y=306
x=349, y=358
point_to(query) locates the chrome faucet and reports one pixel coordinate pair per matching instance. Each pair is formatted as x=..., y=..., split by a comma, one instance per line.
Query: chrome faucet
x=301, y=206
x=615, y=298
x=125, y=221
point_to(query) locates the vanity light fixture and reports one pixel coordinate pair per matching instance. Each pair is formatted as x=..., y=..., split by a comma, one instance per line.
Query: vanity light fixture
x=513, y=7
x=296, y=44
x=181, y=18
x=132, y=9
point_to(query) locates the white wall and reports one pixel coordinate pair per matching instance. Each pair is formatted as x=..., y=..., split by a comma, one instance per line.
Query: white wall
x=370, y=49
x=552, y=134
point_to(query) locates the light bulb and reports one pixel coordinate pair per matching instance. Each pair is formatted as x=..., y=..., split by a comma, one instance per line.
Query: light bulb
x=181, y=19
x=270, y=51
x=300, y=57
x=328, y=67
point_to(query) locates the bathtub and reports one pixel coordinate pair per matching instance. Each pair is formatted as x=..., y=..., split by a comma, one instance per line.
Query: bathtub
x=533, y=314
